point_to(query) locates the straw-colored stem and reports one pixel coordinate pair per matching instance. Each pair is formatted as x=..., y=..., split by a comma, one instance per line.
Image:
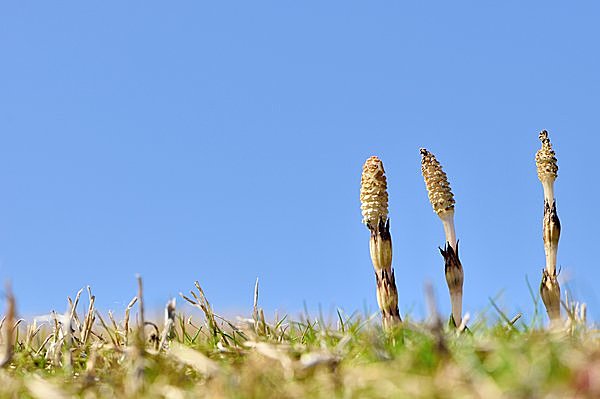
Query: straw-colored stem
x=453, y=267
x=454, y=278
x=447, y=218
x=549, y=288
x=380, y=246
x=551, y=235
x=456, y=302
x=548, y=185
x=550, y=293
x=387, y=297
x=381, y=256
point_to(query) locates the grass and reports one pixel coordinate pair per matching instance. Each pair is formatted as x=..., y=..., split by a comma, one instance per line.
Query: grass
x=204, y=355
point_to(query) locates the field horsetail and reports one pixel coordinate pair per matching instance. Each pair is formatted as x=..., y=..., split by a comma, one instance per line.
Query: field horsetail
x=374, y=207
x=442, y=200
x=547, y=168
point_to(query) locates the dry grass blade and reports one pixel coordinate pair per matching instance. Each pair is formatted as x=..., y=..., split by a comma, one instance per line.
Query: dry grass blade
x=263, y=327
x=32, y=331
x=204, y=305
x=89, y=319
x=126, y=319
x=53, y=353
x=255, y=306
x=515, y=319
x=154, y=337
x=141, y=334
x=73, y=306
x=169, y=323
x=9, y=328
x=113, y=339
x=136, y=376
x=510, y=323
x=114, y=325
x=43, y=345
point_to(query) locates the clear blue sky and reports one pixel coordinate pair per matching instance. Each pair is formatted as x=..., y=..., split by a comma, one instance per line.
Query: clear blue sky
x=223, y=141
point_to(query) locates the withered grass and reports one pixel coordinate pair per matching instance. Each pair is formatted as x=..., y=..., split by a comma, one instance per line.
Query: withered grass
x=196, y=353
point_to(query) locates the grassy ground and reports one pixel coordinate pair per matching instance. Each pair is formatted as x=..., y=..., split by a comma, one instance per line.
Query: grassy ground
x=207, y=356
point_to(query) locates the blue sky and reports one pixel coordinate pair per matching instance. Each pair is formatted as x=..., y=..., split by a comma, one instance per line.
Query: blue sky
x=223, y=141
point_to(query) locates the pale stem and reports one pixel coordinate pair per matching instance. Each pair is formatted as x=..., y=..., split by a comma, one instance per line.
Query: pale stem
x=548, y=184
x=551, y=251
x=448, y=222
x=456, y=300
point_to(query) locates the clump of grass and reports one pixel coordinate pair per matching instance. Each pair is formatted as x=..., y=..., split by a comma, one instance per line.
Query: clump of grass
x=547, y=171
x=374, y=206
x=206, y=355
x=442, y=201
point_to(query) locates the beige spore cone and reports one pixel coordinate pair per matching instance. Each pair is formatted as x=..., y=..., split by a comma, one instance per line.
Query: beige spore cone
x=373, y=192
x=547, y=166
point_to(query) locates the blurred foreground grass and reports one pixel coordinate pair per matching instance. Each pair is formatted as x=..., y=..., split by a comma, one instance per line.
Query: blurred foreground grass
x=90, y=355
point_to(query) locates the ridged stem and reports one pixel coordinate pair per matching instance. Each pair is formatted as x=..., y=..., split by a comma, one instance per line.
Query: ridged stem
x=454, y=278
x=551, y=235
x=550, y=292
x=447, y=218
x=453, y=268
x=550, y=288
x=548, y=185
x=381, y=257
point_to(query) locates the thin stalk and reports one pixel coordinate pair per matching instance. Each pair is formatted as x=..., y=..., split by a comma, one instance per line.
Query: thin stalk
x=547, y=171
x=442, y=200
x=374, y=206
